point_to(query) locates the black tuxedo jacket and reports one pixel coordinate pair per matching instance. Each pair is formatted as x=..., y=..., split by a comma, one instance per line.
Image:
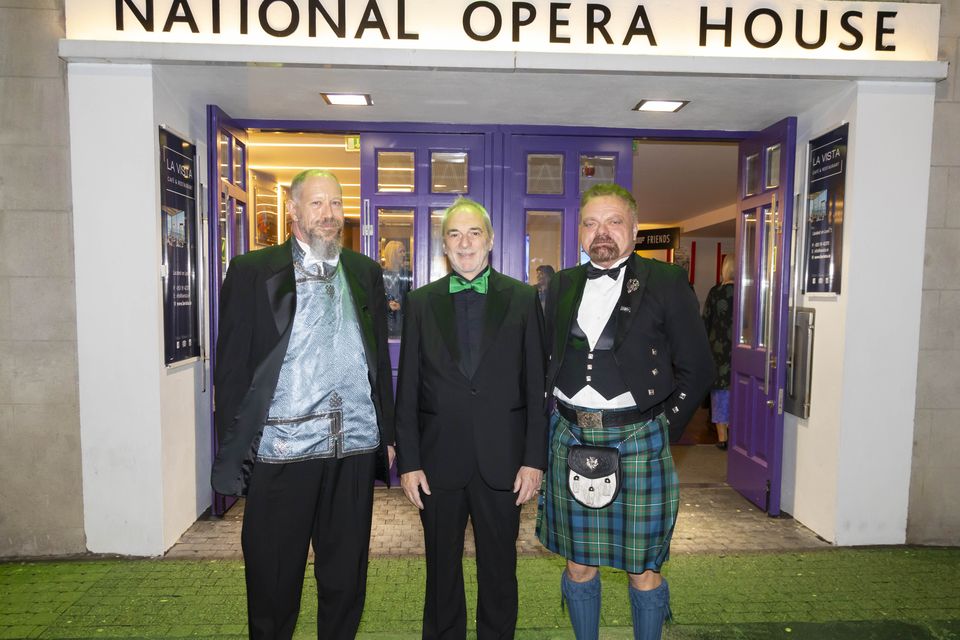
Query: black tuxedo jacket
x=450, y=425
x=660, y=347
x=257, y=305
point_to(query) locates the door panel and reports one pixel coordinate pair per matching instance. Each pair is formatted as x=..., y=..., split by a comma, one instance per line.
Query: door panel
x=229, y=232
x=760, y=311
x=544, y=180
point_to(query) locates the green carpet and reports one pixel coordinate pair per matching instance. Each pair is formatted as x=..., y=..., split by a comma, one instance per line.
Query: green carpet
x=898, y=593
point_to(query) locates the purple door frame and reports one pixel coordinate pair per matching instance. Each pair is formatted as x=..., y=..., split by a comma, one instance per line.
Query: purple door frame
x=502, y=187
x=758, y=367
x=218, y=122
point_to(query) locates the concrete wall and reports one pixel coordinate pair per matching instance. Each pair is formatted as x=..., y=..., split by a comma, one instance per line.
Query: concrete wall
x=185, y=390
x=866, y=338
x=145, y=427
x=40, y=480
x=934, y=516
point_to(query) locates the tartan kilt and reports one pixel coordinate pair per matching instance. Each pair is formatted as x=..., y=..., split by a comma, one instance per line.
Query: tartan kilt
x=632, y=533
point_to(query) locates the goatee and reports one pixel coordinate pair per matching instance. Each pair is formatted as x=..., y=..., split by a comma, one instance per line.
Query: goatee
x=326, y=248
x=603, y=249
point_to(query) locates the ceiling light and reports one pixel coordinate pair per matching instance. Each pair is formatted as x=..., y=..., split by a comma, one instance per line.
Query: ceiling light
x=663, y=106
x=349, y=99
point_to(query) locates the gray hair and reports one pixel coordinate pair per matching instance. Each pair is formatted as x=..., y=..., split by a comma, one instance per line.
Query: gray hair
x=466, y=203
x=297, y=183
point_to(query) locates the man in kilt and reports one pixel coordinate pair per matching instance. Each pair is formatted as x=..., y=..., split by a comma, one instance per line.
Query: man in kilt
x=629, y=364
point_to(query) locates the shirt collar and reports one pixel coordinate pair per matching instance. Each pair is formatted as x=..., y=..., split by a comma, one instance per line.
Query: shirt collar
x=614, y=265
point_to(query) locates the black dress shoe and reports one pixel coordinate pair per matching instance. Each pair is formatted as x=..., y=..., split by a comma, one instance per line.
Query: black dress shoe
x=722, y=445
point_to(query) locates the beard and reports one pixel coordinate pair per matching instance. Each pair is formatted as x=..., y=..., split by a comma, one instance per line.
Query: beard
x=603, y=249
x=325, y=248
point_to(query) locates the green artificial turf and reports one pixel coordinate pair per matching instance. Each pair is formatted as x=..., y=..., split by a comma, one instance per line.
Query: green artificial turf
x=896, y=593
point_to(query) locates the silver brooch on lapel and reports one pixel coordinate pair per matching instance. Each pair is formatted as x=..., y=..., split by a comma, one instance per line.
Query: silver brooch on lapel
x=632, y=285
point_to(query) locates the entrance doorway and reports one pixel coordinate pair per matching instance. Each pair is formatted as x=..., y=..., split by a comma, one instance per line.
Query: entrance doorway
x=398, y=179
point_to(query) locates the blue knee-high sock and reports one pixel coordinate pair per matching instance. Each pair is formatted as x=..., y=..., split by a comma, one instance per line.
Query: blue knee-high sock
x=583, y=603
x=649, y=610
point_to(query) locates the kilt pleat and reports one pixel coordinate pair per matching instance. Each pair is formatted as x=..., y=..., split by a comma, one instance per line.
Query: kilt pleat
x=632, y=533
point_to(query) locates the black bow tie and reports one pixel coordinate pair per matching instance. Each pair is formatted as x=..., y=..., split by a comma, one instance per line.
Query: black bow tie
x=595, y=272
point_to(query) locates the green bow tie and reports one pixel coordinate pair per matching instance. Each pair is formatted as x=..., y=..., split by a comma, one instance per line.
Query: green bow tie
x=478, y=284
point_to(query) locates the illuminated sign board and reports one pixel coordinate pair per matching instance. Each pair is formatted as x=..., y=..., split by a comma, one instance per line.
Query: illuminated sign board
x=774, y=29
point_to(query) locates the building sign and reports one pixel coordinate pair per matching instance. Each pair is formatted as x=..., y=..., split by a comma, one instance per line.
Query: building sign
x=178, y=227
x=825, y=186
x=655, y=239
x=774, y=29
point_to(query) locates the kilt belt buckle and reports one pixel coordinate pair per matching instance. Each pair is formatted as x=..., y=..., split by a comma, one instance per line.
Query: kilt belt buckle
x=590, y=419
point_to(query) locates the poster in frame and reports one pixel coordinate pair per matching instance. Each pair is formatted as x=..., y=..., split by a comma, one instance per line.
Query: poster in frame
x=826, y=184
x=178, y=240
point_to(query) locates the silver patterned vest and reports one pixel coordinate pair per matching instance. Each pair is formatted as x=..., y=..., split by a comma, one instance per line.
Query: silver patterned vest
x=322, y=406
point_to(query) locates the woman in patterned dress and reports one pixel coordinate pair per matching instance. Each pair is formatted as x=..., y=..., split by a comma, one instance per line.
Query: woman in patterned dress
x=718, y=318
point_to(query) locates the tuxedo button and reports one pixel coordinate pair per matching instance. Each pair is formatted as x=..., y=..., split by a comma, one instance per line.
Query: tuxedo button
x=473, y=392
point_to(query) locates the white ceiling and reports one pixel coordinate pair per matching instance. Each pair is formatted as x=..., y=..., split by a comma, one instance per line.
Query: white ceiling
x=673, y=180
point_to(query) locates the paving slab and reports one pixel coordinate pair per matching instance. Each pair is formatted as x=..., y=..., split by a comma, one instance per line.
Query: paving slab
x=713, y=519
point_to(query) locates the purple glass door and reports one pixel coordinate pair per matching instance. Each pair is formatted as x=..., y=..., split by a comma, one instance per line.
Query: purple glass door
x=406, y=183
x=229, y=235
x=544, y=179
x=760, y=311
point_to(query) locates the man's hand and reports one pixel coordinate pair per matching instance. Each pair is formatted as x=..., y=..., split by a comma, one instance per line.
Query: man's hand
x=412, y=482
x=391, y=456
x=527, y=484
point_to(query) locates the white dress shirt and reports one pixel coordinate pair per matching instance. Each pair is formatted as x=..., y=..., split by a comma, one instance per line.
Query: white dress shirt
x=600, y=297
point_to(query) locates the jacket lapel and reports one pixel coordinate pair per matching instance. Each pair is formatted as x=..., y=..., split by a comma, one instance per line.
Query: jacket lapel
x=567, y=305
x=634, y=285
x=498, y=301
x=281, y=287
x=441, y=302
x=359, y=295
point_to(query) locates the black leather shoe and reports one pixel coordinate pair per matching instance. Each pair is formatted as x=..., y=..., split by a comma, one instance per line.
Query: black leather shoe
x=722, y=445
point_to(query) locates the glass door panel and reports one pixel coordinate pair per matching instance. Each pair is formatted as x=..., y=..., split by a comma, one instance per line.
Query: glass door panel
x=595, y=169
x=396, y=255
x=396, y=171
x=544, y=174
x=543, y=247
x=439, y=266
x=768, y=269
x=748, y=289
x=222, y=234
x=449, y=172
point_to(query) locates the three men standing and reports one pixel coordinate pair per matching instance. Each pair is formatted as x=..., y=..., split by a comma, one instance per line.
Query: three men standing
x=471, y=430
x=304, y=404
x=629, y=363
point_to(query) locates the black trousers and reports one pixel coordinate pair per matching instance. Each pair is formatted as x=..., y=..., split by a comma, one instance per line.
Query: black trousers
x=328, y=502
x=496, y=525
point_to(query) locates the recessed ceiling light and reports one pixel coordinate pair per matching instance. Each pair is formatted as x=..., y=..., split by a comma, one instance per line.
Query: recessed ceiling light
x=350, y=99
x=663, y=106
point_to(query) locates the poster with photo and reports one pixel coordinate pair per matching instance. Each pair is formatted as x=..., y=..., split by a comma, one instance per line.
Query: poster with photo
x=178, y=228
x=826, y=182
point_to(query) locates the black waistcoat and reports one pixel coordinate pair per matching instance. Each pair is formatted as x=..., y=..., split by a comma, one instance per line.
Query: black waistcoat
x=598, y=368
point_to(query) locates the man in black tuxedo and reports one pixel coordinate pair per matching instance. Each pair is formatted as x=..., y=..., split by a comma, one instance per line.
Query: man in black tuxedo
x=471, y=429
x=304, y=404
x=629, y=363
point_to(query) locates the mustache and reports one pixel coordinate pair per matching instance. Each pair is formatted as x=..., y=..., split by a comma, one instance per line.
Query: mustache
x=602, y=240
